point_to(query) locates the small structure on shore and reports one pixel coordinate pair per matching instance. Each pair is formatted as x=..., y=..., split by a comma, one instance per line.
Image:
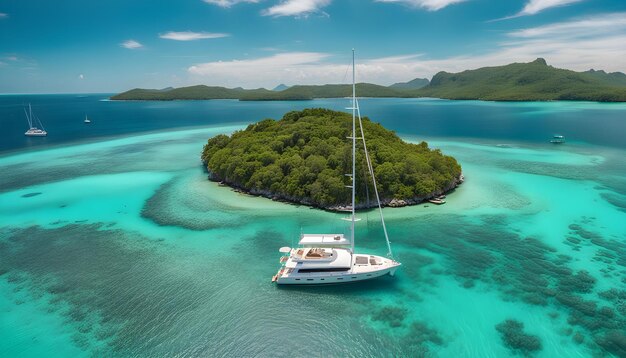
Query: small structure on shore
x=439, y=200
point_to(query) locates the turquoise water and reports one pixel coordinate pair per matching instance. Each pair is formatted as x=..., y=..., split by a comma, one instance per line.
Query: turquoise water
x=120, y=246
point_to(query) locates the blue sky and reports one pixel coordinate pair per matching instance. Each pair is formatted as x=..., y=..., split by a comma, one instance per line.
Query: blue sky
x=111, y=46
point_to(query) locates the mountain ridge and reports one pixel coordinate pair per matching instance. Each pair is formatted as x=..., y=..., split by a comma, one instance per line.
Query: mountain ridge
x=531, y=81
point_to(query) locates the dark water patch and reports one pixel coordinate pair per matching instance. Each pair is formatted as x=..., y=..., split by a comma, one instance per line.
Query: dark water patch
x=514, y=337
x=421, y=333
x=581, y=282
x=393, y=316
x=16, y=176
x=613, y=342
x=417, y=270
x=613, y=294
x=264, y=243
x=578, y=338
x=609, y=248
x=615, y=199
x=521, y=268
x=420, y=339
x=142, y=298
x=561, y=171
x=30, y=195
x=110, y=278
x=577, y=304
x=169, y=207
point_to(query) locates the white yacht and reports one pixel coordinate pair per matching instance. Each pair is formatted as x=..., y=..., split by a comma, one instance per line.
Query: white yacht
x=331, y=258
x=33, y=131
x=557, y=139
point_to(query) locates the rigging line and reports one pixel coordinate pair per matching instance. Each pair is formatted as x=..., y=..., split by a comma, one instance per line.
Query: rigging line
x=371, y=170
x=345, y=75
x=40, y=124
x=30, y=125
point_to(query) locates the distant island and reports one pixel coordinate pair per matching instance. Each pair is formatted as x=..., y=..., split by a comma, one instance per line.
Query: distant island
x=533, y=81
x=303, y=158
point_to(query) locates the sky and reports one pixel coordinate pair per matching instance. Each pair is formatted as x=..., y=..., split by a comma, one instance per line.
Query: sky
x=72, y=46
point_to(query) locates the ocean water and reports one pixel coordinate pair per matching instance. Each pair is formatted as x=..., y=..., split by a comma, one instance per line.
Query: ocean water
x=113, y=243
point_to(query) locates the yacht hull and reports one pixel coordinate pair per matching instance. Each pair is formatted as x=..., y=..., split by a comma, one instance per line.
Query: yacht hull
x=336, y=278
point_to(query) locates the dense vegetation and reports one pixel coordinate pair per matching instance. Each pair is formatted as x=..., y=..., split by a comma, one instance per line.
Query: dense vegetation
x=261, y=94
x=534, y=81
x=188, y=93
x=304, y=157
x=412, y=84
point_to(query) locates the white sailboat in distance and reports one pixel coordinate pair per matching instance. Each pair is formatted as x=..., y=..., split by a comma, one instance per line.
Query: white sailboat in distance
x=331, y=258
x=87, y=120
x=33, y=131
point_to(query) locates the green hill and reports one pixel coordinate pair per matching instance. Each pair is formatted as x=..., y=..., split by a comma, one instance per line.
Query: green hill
x=190, y=93
x=613, y=78
x=412, y=84
x=534, y=81
x=304, y=156
x=323, y=91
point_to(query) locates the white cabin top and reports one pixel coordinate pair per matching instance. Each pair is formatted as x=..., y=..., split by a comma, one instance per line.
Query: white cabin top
x=325, y=240
x=319, y=258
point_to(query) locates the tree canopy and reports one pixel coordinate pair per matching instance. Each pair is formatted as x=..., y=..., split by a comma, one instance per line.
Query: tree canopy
x=304, y=158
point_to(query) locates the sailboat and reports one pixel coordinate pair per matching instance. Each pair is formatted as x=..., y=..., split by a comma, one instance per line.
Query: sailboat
x=331, y=258
x=87, y=120
x=33, y=131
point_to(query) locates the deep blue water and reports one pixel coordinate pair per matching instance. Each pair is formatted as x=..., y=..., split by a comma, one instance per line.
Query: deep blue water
x=62, y=116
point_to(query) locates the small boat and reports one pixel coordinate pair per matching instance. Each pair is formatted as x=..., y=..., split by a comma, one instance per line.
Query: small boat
x=557, y=139
x=437, y=201
x=332, y=258
x=33, y=131
x=87, y=120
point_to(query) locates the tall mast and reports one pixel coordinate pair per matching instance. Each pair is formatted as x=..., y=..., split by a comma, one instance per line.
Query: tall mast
x=353, y=146
x=30, y=116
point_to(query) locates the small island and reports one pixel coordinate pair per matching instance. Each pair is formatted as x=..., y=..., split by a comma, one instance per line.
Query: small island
x=303, y=157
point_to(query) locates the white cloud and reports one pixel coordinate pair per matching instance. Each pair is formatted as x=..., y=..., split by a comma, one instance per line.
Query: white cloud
x=430, y=5
x=131, y=44
x=190, y=36
x=579, y=44
x=3, y=15
x=228, y=3
x=296, y=8
x=81, y=77
x=583, y=27
x=535, y=6
x=295, y=66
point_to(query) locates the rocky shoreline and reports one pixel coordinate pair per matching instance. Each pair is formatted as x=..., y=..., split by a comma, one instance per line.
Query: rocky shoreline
x=385, y=202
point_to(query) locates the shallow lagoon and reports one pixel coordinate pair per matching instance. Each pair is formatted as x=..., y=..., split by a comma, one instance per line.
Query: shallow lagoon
x=122, y=246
